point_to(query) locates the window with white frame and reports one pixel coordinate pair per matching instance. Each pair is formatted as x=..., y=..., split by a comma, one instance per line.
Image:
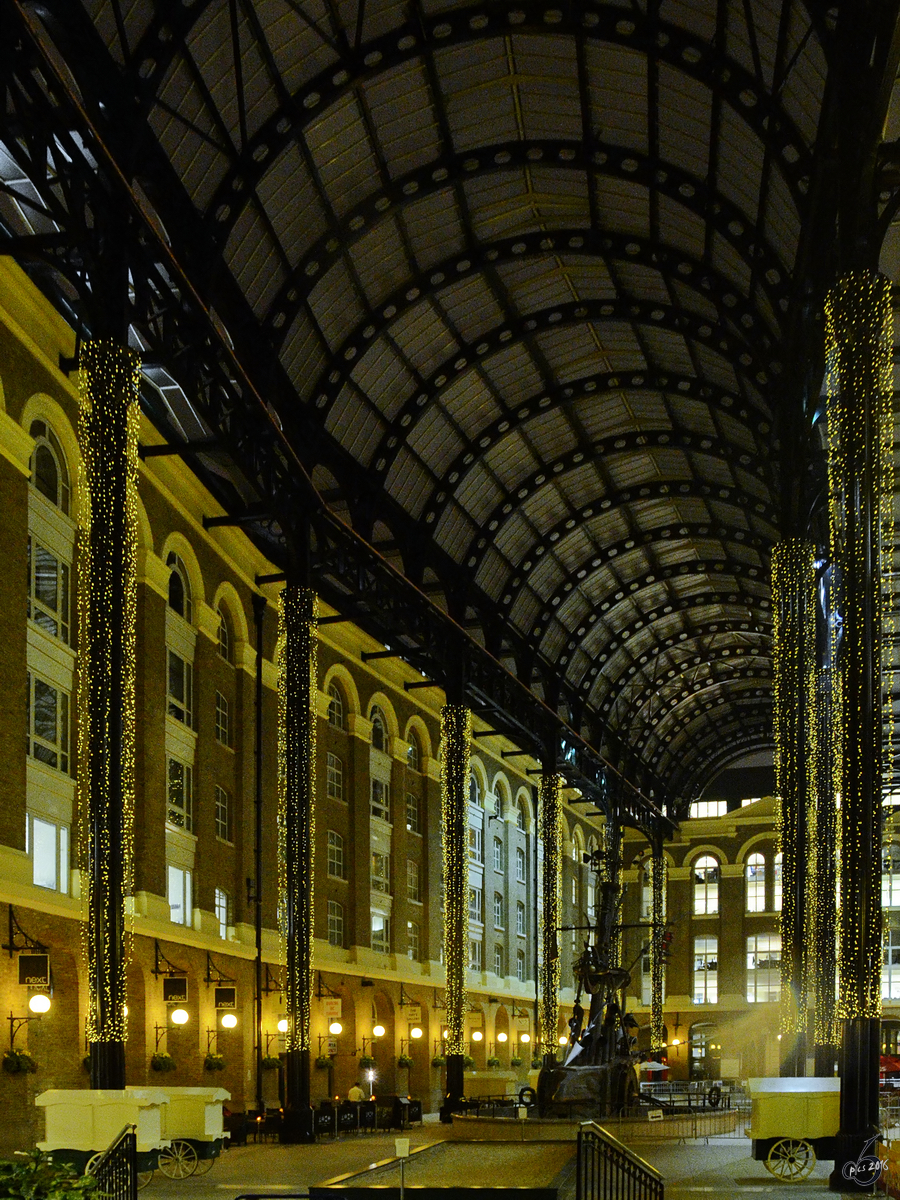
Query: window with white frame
x=413, y=752
x=706, y=970
x=709, y=808
x=413, y=819
x=412, y=940
x=413, y=885
x=224, y=639
x=498, y=855
x=179, y=588
x=381, y=872
x=49, y=473
x=476, y=955
x=474, y=791
x=47, y=845
x=335, y=855
x=498, y=960
x=498, y=910
x=47, y=722
x=520, y=966
x=379, y=729
x=180, y=689
x=48, y=591
x=890, y=876
x=180, y=810
x=476, y=844
x=520, y=865
x=890, y=969
x=335, y=707
x=755, y=881
x=223, y=722
x=224, y=815
x=476, y=904
x=381, y=933
x=334, y=777
x=520, y=919
x=224, y=912
x=776, y=882
x=520, y=816
x=706, y=885
x=178, y=892
x=763, y=968
x=381, y=800
x=335, y=924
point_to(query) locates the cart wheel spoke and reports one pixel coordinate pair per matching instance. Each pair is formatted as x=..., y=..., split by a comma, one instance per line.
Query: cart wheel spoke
x=791, y=1160
x=143, y=1178
x=179, y=1160
x=204, y=1165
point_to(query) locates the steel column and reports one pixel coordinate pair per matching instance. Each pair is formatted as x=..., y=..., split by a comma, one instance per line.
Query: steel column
x=456, y=731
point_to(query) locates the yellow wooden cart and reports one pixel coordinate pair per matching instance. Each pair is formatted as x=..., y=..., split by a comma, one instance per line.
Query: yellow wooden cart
x=792, y=1123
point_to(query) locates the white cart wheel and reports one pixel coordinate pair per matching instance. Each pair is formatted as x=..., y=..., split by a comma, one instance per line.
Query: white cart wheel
x=179, y=1160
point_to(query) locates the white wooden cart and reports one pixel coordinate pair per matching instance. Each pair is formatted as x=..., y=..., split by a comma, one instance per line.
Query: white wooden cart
x=793, y=1122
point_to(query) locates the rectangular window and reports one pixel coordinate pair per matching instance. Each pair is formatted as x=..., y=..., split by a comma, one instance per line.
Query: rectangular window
x=709, y=808
x=520, y=966
x=381, y=933
x=224, y=912
x=520, y=919
x=48, y=591
x=413, y=824
x=498, y=960
x=476, y=844
x=180, y=696
x=647, y=980
x=224, y=816
x=476, y=905
x=412, y=879
x=47, y=844
x=763, y=968
x=47, y=721
x=498, y=911
x=335, y=924
x=756, y=883
x=381, y=872
x=381, y=800
x=520, y=865
x=476, y=960
x=178, y=888
x=180, y=811
x=335, y=855
x=706, y=970
x=498, y=855
x=776, y=884
x=223, y=724
x=334, y=778
x=412, y=940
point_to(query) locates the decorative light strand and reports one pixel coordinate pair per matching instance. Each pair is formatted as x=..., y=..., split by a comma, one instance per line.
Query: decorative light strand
x=858, y=344
x=658, y=884
x=109, y=380
x=297, y=716
x=551, y=835
x=456, y=732
x=794, y=633
x=825, y=833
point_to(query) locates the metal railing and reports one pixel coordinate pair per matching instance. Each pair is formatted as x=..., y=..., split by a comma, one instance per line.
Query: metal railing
x=607, y=1170
x=116, y=1168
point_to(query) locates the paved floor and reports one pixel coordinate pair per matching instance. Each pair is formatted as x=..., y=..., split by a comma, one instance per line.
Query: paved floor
x=720, y=1168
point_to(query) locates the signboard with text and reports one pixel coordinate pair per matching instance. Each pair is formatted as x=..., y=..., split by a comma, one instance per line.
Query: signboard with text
x=34, y=970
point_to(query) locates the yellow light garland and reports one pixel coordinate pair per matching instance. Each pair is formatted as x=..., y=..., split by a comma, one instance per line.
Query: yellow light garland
x=456, y=732
x=551, y=835
x=109, y=380
x=658, y=881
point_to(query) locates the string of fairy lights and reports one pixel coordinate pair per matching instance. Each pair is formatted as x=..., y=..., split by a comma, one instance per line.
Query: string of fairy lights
x=794, y=634
x=825, y=833
x=658, y=882
x=858, y=345
x=549, y=969
x=456, y=732
x=297, y=692
x=109, y=377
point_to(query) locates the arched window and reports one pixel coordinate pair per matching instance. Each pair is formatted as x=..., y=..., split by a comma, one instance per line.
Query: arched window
x=179, y=587
x=776, y=882
x=474, y=791
x=646, y=891
x=520, y=816
x=755, y=877
x=336, y=708
x=414, y=752
x=706, y=885
x=890, y=876
x=379, y=729
x=224, y=635
x=48, y=466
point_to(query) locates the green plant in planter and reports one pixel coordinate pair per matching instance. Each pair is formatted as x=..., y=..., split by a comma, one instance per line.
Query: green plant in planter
x=536, y=1064
x=323, y=1061
x=18, y=1062
x=493, y=1062
x=438, y=1060
x=162, y=1062
x=214, y=1062
x=270, y=1063
x=366, y=1062
x=404, y=1061
x=515, y=1062
x=35, y=1177
x=468, y=1061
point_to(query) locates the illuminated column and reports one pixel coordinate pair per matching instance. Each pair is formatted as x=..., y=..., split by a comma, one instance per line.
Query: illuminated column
x=297, y=689
x=825, y=834
x=860, y=476
x=793, y=602
x=456, y=731
x=551, y=836
x=107, y=434
x=658, y=872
